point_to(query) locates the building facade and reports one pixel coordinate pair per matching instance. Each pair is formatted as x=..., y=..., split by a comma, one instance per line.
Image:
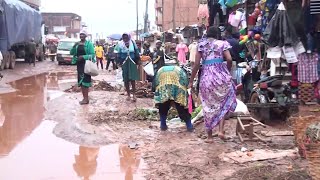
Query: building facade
x=186, y=12
x=62, y=25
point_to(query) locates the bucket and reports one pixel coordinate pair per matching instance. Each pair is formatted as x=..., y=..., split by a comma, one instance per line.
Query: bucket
x=149, y=69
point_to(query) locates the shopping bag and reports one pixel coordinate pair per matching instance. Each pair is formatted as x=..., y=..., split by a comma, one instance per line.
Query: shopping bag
x=91, y=68
x=149, y=69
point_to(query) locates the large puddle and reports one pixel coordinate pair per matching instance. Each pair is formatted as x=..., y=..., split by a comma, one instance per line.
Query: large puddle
x=29, y=150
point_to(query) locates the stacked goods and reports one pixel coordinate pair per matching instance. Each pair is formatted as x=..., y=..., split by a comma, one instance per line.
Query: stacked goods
x=300, y=125
x=312, y=143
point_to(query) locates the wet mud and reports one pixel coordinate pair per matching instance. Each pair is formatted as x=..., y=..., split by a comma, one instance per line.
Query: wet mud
x=46, y=134
x=29, y=148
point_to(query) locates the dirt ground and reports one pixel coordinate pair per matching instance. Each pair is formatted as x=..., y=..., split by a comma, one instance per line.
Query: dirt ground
x=172, y=155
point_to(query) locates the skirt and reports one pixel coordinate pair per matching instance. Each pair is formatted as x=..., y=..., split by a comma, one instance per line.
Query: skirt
x=130, y=71
x=84, y=80
x=217, y=92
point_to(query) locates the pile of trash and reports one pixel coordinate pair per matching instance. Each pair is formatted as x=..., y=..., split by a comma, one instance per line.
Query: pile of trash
x=144, y=90
x=103, y=86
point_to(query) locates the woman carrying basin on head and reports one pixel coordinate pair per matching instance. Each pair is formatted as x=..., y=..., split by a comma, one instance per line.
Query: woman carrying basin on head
x=127, y=58
x=83, y=51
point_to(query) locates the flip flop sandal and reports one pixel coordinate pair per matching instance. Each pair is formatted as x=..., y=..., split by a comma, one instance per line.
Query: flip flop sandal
x=83, y=102
x=128, y=99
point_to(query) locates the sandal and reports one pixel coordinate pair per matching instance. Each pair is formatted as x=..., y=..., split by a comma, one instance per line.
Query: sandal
x=134, y=99
x=128, y=99
x=83, y=102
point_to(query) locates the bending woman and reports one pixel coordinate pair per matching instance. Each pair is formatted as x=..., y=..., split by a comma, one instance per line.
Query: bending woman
x=217, y=90
x=127, y=50
x=83, y=51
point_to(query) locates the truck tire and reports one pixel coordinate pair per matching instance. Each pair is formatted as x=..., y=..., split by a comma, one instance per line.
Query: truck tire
x=3, y=62
x=7, y=64
x=6, y=57
x=12, y=60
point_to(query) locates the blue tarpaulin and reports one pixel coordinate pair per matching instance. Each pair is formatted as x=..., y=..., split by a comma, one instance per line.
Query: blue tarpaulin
x=18, y=23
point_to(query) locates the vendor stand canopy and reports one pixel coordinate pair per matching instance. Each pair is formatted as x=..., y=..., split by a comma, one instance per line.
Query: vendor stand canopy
x=115, y=36
x=51, y=38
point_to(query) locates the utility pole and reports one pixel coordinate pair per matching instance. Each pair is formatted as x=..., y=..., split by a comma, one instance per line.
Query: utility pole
x=146, y=17
x=174, y=16
x=137, y=9
x=162, y=15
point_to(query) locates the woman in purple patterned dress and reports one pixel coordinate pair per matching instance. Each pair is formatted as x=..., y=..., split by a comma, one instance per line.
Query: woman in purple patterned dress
x=217, y=90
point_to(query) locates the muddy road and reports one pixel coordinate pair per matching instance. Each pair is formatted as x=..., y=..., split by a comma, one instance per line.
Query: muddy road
x=46, y=134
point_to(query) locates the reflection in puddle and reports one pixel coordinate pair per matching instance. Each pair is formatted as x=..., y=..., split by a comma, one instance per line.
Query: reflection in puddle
x=29, y=150
x=44, y=156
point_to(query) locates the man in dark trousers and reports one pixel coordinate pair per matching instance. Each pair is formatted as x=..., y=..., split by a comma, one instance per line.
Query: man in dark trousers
x=111, y=57
x=31, y=49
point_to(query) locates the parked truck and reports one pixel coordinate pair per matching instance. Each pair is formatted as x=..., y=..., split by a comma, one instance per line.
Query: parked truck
x=19, y=23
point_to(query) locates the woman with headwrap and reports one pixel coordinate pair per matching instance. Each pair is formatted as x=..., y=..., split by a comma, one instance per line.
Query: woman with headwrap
x=127, y=58
x=83, y=51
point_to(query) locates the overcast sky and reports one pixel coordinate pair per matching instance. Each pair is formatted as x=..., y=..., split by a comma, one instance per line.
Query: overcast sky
x=104, y=16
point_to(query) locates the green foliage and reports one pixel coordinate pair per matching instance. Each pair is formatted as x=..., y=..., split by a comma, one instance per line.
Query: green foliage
x=196, y=112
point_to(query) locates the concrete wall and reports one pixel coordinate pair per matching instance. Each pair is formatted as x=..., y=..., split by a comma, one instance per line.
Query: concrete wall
x=186, y=13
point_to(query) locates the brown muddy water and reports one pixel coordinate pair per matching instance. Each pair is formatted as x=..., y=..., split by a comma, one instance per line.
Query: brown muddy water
x=29, y=149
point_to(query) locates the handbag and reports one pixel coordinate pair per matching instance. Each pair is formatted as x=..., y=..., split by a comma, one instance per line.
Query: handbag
x=90, y=68
x=137, y=57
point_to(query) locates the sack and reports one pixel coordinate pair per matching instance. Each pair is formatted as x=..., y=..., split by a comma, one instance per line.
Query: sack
x=149, y=69
x=137, y=57
x=90, y=68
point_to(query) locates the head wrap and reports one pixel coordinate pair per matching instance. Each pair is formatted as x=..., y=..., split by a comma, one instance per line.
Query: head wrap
x=84, y=32
x=158, y=41
x=128, y=34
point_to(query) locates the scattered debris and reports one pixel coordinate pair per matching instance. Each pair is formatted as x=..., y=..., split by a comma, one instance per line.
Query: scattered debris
x=103, y=86
x=256, y=155
x=277, y=133
x=144, y=90
x=73, y=89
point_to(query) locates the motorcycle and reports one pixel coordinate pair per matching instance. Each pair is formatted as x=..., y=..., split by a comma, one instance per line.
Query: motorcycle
x=265, y=94
x=270, y=94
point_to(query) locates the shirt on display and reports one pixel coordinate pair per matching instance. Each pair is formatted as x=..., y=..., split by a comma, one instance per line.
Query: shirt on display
x=314, y=6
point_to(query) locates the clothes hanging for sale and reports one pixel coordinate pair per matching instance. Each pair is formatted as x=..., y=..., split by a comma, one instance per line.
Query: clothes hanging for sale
x=203, y=12
x=308, y=68
x=314, y=6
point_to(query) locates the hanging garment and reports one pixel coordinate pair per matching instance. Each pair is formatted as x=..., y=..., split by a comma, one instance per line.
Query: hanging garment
x=182, y=49
x=314, y=6
x=203, y=11
x=193, y=51
x=307, y=68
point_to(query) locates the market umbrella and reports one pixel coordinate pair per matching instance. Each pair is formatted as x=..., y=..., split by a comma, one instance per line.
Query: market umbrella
x=52, y=38
x=115, y=36
x=280, y=30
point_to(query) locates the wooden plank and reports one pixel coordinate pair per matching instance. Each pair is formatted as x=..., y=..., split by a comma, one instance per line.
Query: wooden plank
x=240, y=122
x=253, y=119
x=240, y=136
x=261, y=139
